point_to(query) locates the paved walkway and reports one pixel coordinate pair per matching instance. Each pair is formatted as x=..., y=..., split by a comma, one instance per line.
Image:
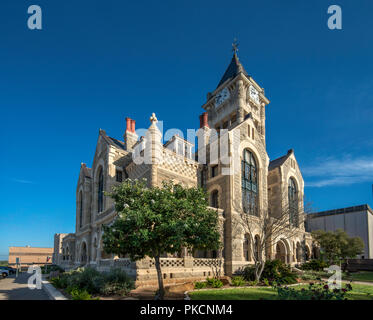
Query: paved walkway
x=12, y=288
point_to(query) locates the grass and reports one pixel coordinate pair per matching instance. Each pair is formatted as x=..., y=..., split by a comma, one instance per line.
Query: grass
x=366, y=276
x=359, y=292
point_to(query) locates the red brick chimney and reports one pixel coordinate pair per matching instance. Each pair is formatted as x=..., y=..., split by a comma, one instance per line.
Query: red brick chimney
x=203, y=120
x=129, y=124
x=130, y=137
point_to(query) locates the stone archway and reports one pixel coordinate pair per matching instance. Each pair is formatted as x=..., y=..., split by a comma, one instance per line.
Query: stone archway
x=280, y=251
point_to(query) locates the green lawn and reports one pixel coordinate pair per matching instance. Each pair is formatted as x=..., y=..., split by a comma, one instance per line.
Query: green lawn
x=359, y=292
x=360, y=276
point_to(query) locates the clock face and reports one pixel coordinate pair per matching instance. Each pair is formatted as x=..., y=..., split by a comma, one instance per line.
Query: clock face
x=221, y=97
x=254, y=94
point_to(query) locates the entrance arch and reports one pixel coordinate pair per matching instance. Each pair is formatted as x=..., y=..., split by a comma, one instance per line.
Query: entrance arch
x=281, y=251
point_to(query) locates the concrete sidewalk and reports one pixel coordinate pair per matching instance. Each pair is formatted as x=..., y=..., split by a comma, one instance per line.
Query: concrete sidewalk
x=12, y=288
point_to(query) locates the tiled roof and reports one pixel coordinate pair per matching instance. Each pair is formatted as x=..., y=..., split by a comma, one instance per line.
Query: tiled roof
x=277, y=162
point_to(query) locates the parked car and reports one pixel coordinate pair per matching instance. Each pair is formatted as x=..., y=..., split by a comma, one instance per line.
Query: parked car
x=10, y=269
x=4, y=272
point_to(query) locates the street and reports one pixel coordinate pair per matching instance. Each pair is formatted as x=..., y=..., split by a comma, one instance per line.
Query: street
x=12, y=288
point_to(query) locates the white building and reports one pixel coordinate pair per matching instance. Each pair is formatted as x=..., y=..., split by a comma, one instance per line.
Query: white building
x=355, y=221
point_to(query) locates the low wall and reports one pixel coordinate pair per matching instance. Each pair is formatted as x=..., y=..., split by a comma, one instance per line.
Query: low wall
x=174, y=270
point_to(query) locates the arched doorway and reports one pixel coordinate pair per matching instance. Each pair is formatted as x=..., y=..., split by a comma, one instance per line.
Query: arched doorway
x=281, y=251
x=307, y=253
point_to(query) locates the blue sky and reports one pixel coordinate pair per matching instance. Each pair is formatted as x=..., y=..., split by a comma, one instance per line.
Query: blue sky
x=94, y=63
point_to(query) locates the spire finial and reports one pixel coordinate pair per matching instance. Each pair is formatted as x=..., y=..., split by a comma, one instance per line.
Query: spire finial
x=235, y=46
x=153, y=118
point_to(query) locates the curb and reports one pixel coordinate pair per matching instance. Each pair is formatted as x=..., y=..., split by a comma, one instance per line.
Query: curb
x=52, y=292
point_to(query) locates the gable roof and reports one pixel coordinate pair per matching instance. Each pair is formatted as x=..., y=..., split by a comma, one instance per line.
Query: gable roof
x=234, y=68
x=112, y=141
x=279, y=161
x=86, y=170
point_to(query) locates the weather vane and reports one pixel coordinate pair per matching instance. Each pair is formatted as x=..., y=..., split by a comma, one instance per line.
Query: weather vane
x=235, y=46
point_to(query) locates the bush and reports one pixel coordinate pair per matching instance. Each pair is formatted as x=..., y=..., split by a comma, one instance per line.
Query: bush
x=252, y=283
x=214, y=283
x=200, y=285
x=238, y=281
x=320, y=291
x=315, y=265
x=78, y=294
x=266, y=282
x=275, y=271
x=94, y=282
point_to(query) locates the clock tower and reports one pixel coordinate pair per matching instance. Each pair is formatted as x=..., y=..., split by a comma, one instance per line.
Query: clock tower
x=236, y=98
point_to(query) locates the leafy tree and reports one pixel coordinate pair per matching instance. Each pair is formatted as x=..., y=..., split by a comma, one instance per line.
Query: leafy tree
x=157, y=220
x=338, y=246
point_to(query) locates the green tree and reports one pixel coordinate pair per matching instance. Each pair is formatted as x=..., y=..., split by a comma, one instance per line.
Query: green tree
x=157, y=220
x=338, y=246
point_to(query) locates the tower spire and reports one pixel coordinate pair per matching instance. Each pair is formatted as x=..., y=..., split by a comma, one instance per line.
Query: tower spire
x=235, y=45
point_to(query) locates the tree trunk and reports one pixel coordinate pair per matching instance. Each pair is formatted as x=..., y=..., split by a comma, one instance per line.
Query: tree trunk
x=160, y=278
x=259, y=270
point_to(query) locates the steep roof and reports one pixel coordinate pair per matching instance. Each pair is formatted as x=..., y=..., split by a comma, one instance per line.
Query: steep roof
x=112, y=141
x=234, y=68
x=279, y=161
x=86, y=170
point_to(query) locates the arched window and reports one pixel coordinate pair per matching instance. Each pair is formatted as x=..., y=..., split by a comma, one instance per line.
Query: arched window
x=215, y=199
x=293, y=202
x=80, y=209
x=246, y=248
x=249, y=183
x=100, y=192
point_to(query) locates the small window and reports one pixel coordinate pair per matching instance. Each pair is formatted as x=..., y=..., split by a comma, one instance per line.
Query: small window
x=215, y=199
x=248, y=131
x=214, y=171
x=119, y=176
x=253, y=134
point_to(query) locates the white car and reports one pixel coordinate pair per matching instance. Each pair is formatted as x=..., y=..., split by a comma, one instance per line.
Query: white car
x=4, y=272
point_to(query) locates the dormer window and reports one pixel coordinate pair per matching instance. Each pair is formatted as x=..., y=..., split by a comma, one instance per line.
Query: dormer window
x=180, y=146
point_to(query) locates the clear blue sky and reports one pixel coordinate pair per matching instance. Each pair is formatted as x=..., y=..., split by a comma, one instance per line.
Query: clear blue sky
x=95, y=62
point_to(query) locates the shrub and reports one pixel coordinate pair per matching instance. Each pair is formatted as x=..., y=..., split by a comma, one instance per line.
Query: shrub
x=252, y=283
x=200, y=285
x=94, y=282
x=238, y=281
x=320, y=291
x=274, y=271
x=266, y=282
x=316, y=265
x=78, y=294
x=214, y=283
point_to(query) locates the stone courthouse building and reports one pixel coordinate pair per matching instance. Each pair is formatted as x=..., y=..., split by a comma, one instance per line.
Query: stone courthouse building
x=247, y=182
